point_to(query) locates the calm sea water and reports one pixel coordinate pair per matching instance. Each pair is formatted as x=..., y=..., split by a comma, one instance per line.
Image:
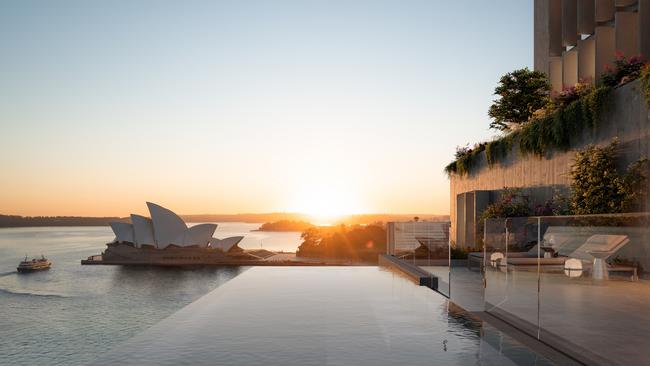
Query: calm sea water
x=276, y=241
x=71, y=314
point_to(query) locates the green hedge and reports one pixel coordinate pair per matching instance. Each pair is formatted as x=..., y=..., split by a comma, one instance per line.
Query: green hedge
x=555, y=131
x=558, y=130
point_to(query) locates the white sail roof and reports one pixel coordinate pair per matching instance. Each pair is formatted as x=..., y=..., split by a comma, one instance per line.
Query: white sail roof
x=123, y=232
x=225, y=244
x=143, y=228
x=168, y=228
x=199, y=235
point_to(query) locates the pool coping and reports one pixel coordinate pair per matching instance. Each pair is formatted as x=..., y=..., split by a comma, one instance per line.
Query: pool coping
x=415, y=273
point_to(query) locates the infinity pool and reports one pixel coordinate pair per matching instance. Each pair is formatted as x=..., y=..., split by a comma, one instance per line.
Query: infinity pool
x=321, y=316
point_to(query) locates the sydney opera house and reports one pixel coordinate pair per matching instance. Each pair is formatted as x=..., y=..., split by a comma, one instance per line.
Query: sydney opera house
x=165, y=239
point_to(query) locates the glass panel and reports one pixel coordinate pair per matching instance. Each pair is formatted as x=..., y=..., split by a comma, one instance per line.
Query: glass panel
x=494, y=250
x=594, y=292
x=583, y=289
x=432, y=255
x=466, y=273
x=512, y=272
x=425, y=245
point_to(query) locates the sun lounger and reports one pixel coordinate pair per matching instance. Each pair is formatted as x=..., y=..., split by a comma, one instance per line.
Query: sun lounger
x=557, y=237
x=593, y=253
x=479, y=257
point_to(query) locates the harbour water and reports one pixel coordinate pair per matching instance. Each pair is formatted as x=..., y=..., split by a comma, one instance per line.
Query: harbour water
x=71, y=314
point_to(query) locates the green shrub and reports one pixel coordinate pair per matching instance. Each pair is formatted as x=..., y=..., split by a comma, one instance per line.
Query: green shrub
x=559, y=129
x=552, y=126
x=598, y=188
x=512, y=203
x=451, y=168
x=497, y=150
x=466, y=159
x=645, y=82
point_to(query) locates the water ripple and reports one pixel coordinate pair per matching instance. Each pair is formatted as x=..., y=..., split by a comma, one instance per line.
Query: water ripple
x=26, y=293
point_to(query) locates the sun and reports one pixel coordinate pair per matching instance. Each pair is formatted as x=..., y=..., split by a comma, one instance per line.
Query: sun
x=325, y=203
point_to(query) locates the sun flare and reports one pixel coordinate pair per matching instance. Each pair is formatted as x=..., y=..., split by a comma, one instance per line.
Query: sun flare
x=325, y=203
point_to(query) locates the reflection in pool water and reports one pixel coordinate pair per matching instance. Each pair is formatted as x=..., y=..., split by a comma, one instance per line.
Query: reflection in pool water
x=321, y=316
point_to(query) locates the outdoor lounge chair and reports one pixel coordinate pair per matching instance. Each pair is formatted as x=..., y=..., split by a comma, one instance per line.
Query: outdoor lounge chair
x=479, y=257
x=563, y=239
x=555, y=236
x=593, y=253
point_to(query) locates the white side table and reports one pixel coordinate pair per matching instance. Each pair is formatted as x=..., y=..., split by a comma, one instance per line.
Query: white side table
x=548, y=251
x=599, y=271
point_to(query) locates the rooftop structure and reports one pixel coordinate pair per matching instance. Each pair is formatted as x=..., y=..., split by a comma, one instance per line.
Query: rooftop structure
x=576, y=40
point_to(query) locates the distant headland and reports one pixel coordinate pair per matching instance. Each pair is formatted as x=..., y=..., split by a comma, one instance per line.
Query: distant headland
x=285, y=225
x=7, y=221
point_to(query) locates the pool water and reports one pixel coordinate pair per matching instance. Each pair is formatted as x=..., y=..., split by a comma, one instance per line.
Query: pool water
x=321, y=316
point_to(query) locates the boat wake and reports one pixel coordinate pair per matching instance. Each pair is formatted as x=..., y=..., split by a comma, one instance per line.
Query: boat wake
x=4, y=274
x=27, y=293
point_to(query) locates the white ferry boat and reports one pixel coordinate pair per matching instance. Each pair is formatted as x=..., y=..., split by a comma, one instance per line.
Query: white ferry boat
x=33, y=265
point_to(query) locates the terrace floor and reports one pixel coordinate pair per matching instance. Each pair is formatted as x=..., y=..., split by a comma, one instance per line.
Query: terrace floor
x=606, y=321
x=602, y=322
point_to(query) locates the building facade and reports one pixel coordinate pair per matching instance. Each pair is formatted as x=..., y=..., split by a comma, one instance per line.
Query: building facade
x=576, y=40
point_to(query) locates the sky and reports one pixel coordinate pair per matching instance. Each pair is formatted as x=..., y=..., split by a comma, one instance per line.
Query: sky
x=242, y=106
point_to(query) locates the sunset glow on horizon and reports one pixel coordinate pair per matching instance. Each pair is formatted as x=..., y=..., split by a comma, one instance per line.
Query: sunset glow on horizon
x=324, y=108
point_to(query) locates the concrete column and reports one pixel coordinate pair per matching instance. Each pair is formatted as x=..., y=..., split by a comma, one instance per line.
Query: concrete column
x=627, y=28
x=586, y=16
x=644, y=28
x=587, y=60
x=555, y=28
x=555, y=74
x=460, y=220
x=570, y=68
x=604, y=10
x=470, y=221
x=605, y=49
x=540, y=31
x=569, y=23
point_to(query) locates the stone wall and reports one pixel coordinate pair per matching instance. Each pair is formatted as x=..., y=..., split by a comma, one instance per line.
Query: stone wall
x=626, y=119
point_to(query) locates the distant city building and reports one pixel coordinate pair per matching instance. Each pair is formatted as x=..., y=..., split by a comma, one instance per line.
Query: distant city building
x=576, y=40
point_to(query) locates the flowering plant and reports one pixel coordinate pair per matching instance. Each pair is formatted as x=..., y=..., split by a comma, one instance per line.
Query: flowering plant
x=512, y=203
x=624, y=70
x=571, y=94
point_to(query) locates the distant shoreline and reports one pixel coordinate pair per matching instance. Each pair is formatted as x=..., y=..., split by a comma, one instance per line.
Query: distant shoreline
x=13, y=221
x=276, y=231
